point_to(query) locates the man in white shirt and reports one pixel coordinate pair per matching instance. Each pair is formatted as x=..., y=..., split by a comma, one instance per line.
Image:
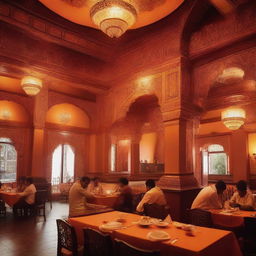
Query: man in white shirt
x=27, y=196
x=154, y=195
x=78, y=198
x=242, y=198
x=210, y=197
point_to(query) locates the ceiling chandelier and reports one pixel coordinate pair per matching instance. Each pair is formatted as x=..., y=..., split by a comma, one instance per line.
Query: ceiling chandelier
x=31, y=85
x=113, y=17
x=233, y=118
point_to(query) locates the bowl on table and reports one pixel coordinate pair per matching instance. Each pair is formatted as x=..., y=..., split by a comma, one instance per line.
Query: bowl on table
x=110, y=226
x=145, y=221
x=158, y=235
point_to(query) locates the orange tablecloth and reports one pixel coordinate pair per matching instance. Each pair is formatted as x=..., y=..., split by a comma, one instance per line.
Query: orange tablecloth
x=9, y=197
x=207, y=242
x=105, y=200
x=231, y=220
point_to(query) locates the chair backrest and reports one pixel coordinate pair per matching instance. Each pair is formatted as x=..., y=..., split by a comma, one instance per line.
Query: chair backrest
x=66, y=237
x=156, y=211
x=124, y=249
x=250, y=227
x=199, y=217
x=41, y=196
x=97, y=243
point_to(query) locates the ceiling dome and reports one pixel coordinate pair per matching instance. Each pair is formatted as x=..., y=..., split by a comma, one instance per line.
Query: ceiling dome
x=78, y=11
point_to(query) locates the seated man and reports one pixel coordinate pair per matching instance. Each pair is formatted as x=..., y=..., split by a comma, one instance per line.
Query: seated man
x=242, y=198
x=210, y=197
x=124, y=200
x=154, y=195
x=78, y=197
x=27, y=196
x=95, y=187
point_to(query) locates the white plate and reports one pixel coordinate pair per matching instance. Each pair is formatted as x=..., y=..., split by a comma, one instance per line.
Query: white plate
x=177, y=224
x=162, y=224
x=158, y=235
x=112, y=225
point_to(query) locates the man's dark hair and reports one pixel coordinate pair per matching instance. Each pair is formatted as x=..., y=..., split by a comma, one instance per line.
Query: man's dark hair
x=124, y=181
x=85, y=179
x=220, y=185
x=29, y=180
x=241, y=185
x=150, y=183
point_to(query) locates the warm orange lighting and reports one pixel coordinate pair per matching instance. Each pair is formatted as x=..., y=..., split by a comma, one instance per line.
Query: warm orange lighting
x=5, y=114
x=31, y=85
x=64, y=117
x=113, y=17
x=233, y=118
x=124, y=142
x=231, y=75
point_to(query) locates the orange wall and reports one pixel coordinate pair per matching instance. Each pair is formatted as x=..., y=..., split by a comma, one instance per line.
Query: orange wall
x=77, y=117
x=252, y=149
x=15, y=112
x=148, y=147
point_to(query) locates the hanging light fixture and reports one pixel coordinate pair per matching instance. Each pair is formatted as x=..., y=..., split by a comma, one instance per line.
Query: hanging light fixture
x=31, y=85
x=113, y=17
x=233, y=118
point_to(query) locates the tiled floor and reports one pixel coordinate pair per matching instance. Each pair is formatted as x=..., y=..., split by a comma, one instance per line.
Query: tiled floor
x=28, y=237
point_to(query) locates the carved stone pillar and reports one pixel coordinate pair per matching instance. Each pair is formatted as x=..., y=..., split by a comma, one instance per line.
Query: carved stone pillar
x=40, y=110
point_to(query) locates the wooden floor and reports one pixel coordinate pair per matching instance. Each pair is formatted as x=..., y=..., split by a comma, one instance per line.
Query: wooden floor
x=28, y=237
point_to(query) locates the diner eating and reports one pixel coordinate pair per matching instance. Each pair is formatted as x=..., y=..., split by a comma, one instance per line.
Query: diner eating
x=127, y=127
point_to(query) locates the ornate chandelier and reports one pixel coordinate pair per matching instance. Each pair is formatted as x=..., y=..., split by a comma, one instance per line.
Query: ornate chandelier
x=233, y=118
x=31, y=85
x=113, y=17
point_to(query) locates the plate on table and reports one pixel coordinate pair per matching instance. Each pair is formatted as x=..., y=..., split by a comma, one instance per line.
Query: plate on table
x=158, y=235
x=145, y=221
x=161, y=223
x=177, y=224
x=111, y=225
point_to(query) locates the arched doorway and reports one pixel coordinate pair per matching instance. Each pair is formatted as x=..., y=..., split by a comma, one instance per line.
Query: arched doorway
x=63, y=164
x=8, y=161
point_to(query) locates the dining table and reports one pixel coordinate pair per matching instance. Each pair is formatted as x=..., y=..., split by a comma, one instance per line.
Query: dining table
x=107, y=200
x=204, y=241
x=9, y=197
x=229, y=218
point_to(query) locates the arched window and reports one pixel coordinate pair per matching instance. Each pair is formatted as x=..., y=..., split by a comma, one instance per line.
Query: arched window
x=8, y=161
x=217, y=160
x=63, y=164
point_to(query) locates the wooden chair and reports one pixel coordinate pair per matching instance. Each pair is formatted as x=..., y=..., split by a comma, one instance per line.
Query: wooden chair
x=67, y=240
x=2, y=208
x=40, y=200
x=124, y=249
x=97, y=243
x=156, y=211
x=199, y=217
x=249, y=235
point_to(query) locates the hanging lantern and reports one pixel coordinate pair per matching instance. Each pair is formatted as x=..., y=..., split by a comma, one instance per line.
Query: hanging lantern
x=233, y=118
x=31, y=85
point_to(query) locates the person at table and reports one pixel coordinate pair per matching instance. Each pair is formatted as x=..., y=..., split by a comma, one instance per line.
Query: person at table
x=124, y=202
x=78, y=198
x=27, y=196
x=242, y=198
x=210, y=197
x=154, y=195
x=95, y=187
x=21, y=184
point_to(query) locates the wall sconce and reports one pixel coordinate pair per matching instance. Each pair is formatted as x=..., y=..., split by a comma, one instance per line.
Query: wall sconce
x=254, y=156
x=64, y=117
x=31, y=85
x=5, y=114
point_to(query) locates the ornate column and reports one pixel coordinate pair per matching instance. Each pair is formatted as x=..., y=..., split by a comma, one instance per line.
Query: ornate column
x=40, y=110
x=135, y=154
x=180, y=124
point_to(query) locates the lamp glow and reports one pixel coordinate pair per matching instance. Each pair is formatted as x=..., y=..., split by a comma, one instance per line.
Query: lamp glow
x=231, y=75
x=31, y=85
x=233, y=118
x=65, y=117
x=113, y=17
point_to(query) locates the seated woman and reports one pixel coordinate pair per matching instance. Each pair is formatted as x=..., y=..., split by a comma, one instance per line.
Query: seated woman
x=242, y=198
x=27, y=196
x=95, y=187
x=124, y=201
x=21, y=184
